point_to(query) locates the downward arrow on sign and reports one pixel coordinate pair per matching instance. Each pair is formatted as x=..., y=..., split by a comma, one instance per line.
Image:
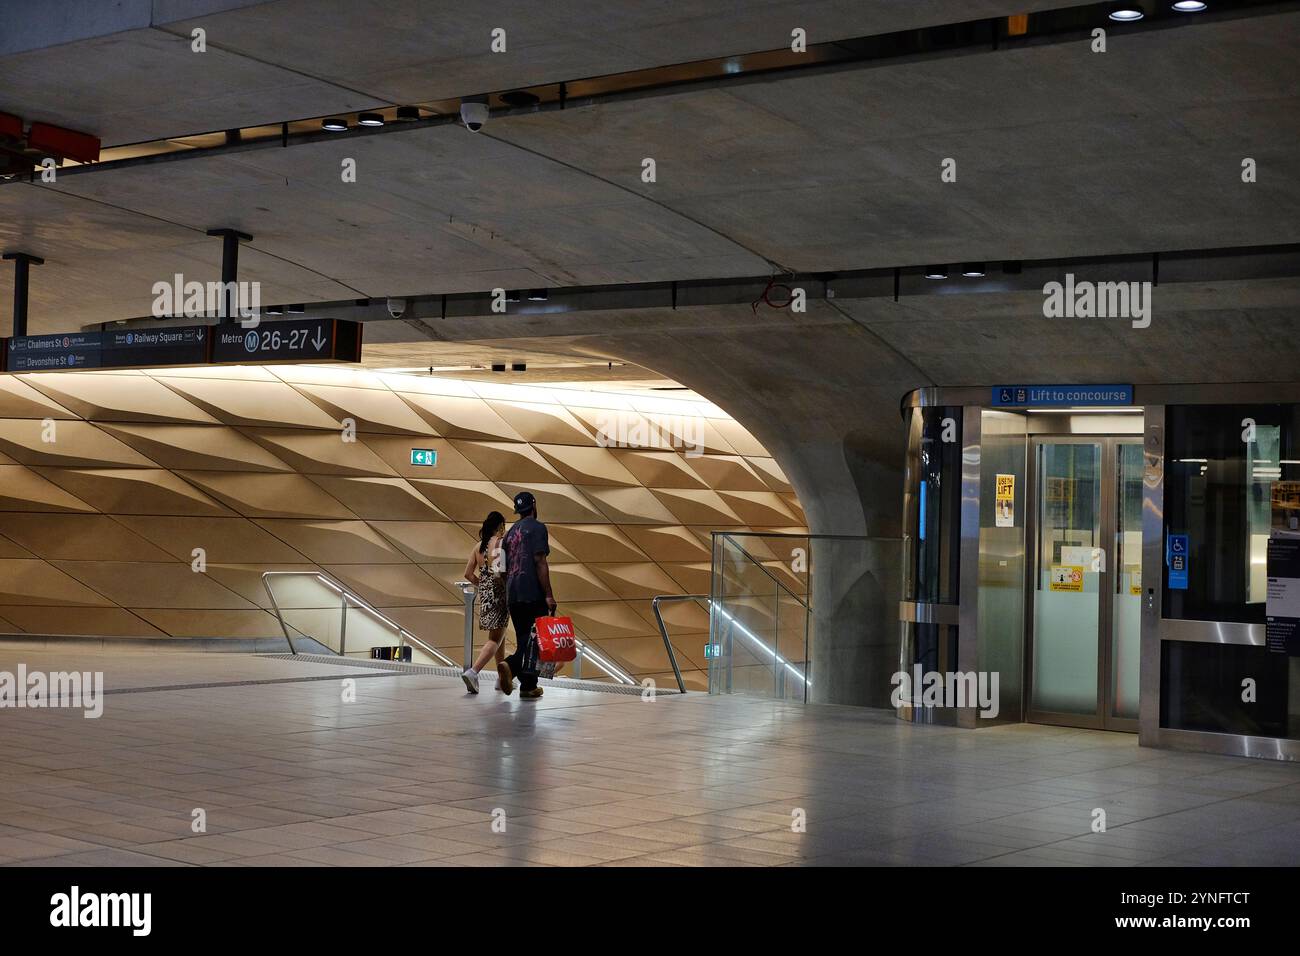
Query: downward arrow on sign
x=320, y=339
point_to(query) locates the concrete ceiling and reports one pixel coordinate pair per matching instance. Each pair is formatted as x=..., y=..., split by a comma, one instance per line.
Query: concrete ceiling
x=1060, y=152
x=822, y=390
x=1221, y=331
x=114, y=70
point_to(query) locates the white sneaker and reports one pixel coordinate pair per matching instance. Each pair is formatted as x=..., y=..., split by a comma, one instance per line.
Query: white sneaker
x=470, y=677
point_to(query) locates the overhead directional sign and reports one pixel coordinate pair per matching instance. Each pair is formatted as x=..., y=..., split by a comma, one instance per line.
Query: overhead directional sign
x=168, y=345
x=303, y=340
x=38, y=353
x=1062, y=396
x=300, y=340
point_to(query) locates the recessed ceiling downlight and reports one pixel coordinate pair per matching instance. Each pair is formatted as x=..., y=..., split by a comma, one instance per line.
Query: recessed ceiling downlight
x=1189, y=6
x=973, y=270
x=370, y=119
x=1126, y=13
x=334, y=124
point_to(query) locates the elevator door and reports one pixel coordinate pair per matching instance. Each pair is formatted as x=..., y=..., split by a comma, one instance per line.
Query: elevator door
x=1084, y=606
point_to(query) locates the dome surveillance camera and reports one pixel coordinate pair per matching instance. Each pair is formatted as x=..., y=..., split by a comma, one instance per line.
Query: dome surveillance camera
x=474, y=113
x=396, y=307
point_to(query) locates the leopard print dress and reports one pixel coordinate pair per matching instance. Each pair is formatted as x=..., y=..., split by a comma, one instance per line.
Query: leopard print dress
x=492, y=609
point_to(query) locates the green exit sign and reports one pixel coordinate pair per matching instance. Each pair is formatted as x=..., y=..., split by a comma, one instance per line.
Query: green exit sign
x=712, y=651
x=424, y=456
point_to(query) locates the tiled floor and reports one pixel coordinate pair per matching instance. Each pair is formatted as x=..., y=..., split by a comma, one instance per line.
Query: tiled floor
x=415, y=772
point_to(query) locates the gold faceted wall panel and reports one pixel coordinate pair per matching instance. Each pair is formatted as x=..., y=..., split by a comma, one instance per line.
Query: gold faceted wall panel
x=148, y=503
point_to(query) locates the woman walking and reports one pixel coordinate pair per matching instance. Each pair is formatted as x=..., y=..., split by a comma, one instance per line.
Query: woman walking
x=486, y=571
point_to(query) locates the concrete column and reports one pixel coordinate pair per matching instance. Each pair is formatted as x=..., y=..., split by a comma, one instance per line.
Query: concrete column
x=824, y=399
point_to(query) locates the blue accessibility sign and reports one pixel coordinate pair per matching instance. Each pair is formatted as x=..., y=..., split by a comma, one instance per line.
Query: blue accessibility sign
x=1176, y=558
x=1062, y=396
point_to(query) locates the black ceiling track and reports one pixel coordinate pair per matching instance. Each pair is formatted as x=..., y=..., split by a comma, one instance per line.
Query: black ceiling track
x=895, y=283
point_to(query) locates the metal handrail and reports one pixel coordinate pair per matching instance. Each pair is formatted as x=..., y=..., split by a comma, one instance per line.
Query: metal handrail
x=759, y=564
x=346, y=596
x=663, y=628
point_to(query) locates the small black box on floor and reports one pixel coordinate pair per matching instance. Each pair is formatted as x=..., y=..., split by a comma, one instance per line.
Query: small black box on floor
x=402, y=654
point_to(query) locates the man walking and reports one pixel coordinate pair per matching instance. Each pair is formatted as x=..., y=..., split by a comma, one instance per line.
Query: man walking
x=528, y=590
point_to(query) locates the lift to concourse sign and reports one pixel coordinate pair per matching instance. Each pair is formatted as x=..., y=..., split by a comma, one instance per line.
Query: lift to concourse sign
x=1062, y=396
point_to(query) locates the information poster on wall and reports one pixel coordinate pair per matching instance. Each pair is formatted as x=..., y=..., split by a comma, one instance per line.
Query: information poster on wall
x=1282, y=604
x=1005, y=516
x=1285, y=500
x=1066, y=577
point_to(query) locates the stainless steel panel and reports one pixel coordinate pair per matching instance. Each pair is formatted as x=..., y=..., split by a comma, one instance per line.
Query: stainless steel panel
x=911, y=472
x=1211, y=632
x=1116, y=422
x=1110, y=630
x=969, y=561
x=1000, y=626
x=922, y=612
x=1236, y=745
x=1153, y=573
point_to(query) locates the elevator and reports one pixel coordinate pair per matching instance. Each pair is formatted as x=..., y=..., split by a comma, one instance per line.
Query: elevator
x=1107, y=561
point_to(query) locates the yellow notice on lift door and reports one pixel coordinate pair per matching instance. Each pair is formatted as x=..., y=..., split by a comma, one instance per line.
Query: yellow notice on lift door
x=1066, y=577
x=1005, y=513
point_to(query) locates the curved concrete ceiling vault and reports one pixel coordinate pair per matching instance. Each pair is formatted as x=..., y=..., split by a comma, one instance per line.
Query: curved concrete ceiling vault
x=1060, y=152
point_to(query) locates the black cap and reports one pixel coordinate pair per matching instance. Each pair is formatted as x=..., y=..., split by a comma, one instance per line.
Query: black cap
x=525, y=502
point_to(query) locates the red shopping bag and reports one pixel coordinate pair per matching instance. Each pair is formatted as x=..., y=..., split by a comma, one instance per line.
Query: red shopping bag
x=555, y=640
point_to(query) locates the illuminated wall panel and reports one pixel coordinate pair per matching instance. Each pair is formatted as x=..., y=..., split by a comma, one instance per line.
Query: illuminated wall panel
x=114, y=484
